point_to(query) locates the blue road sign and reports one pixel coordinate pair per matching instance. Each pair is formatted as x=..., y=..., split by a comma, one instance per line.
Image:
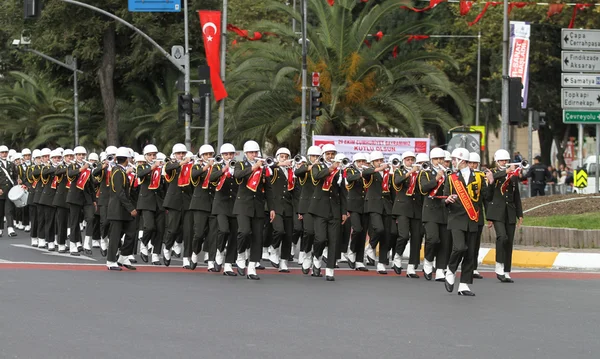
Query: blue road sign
x=154, y=5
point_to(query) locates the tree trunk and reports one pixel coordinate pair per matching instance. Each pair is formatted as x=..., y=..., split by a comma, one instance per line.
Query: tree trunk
x=107, y=89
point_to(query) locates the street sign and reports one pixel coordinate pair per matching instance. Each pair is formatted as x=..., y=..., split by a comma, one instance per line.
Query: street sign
x=577, y=61
x=316, y=79
x=178, y=54
x=576, y=116
x=580, y=80
x=580, y=99
x=580, y=39
x=580, y=178
x=154, y=5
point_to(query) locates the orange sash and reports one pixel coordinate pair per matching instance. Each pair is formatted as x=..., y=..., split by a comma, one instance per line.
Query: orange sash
x=508, y=178
x=440, y=182
x=385, y=184
x=329, y=180
x=154, y=179
x=83, y=178
x=254, y=180
x=206, y=181
x=185, y=175
x=464, y=198
x=290, y=177
x=412, y=184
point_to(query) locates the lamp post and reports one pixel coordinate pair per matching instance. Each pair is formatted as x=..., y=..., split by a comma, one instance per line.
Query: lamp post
x=487, y=101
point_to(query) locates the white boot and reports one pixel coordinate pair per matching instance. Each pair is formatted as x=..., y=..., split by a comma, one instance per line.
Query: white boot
x=427, y=267
x=500, y=269
x=351, y=256
x=143, y=249
x=251, y=269
x=398, y=261
x=219, y=258
x=186, y=262
x=73, y=248
x=104, y=244
x=439, y=274
x=194, y=258
x=34, y=242
x=227, y=267
x=283, y=267
x=155, y=258
x=51, y=247
x=265, y=253
x=411, y=269
x=507, y=275
x=211, y=266
x=463, y=287
x=241, y=260
x=381, y=268
x=140, y=234
x=62, y=248
x=450, y=277
x=273, y=257
x=329, y=273
x=11, y=232
x=369, y=252
x=95, y=243
x=27, y=228
x=301, y=257
x=177, y=248
x=87, y=243
x=41, y=243
x=206, y=257
x=307, y=263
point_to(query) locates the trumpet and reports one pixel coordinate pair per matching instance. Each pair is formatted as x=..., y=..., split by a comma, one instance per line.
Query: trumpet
x=396, y=162
x=269, y=161
x=91, y=164
x=523, y=164
x=402, y=167
x=232, y=163
x=110, y=158
x=448, y=171
x=426, y=166
x=346, y=162
x=321, y=160
x=297, y=159
x=218, y=159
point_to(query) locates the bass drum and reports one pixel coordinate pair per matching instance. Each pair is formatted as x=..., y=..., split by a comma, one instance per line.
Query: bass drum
x=19, y=196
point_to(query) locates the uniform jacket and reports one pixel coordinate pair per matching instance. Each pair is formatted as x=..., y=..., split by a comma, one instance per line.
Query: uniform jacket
x=410, y=206
x=120, y=204
x=248, y=202
x=505, y=207
x=377, y=201
x=457, y=215
x=325, y=203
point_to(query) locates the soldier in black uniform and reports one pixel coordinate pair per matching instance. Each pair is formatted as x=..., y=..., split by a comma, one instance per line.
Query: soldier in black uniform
x=180, y=219
x=504, y=211
x=222, y=207
x=201, y=207
x=298, y=230
x=62, y=185
x=121, y=212
x=33, y=178
x=253, y=178
x=481, y=203
x=8, y=179
x=438, y=242
x=20, y=169
x=26, y=153
x=538, y=174
x=102, y=175
x=359, y=219
x=47, y=197
x=39, y=188
x=463, y=217
x=408, y=208
x=308, y=183
x=81, y=198
x=282, y=185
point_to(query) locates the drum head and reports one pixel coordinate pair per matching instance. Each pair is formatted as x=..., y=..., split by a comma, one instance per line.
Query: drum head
x=15, y=193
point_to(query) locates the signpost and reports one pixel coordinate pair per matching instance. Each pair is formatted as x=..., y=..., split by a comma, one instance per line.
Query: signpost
x=580, y=80
x=154, y=5
x=579, y=61
x=577, y=116
x=316, y=79
x=580, y=39
x=580, y=98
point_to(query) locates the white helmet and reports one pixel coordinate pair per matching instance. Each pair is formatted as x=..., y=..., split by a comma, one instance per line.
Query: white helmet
x=359, y=157
x=79, y=150
x=407, y=154
x=60, y=149
x=474, y=157
x=339, y=157
x=501, y=155
x=11, y=152
x=68, y=152
x=26, y=151
x=3, y=148
x=437, y=153
x=422, y=157
x=251, y=146
x=284, y=151
x=45, y=151
x=376, y=155
x=161, y=157
x=395, y=157
x=303, y=159
x=150, y=149
x=227, y=148
x=179, y=147
x=367, y=157
x=91, y=157
x=314, y=151
x=447, y=156
x=329, y=147
x=55, y=153
x=123, y=152
x=18, y=156
x=111, y=150
x=461, y=154
x=206, y=149
x=140, y=158
x=36, y=153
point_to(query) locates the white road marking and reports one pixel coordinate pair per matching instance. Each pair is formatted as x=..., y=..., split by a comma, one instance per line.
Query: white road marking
x=45, y=251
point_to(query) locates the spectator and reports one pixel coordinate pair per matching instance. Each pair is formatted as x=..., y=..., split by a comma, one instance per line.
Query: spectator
x=518, y=157
x=539, y=175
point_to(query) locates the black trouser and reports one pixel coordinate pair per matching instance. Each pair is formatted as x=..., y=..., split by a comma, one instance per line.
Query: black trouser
x=96, y=235
x=117, y=229
x=345, y=231
x=25, y=213
x=62, y=223
x=227, y=236
x=438, y=243
x=359, y=223
x=308, y=237
x=412, y=225
x=7, y=208
x=283, y=230
x=200, y=234
x=179, y=222
x=327, y=234
x=41, y=221
x=538, y=189
x=505, y=237
x=153, y=227
x=463, y=247
x=49, y=222
x=34, y=220
x=211, y=238
x=18, y=215
x=250, y=235
x=75, y=212
x=381, y=225
x=104, y=223
x=267, y=231
x=478, y=244
x=298, y=230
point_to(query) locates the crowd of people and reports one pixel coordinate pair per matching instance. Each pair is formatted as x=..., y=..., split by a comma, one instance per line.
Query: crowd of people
x=324, y=207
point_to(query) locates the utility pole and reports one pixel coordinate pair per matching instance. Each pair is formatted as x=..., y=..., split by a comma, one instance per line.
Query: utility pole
x=221, y=124
x=478, y=78
x=186, y=80
x=303, y=139
x=505, y=109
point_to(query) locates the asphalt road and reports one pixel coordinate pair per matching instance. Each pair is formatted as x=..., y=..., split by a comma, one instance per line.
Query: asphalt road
x=83, y=311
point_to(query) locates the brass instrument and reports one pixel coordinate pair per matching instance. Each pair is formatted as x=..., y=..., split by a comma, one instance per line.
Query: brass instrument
x=218, y=159
x=426, y=166
x=297, y=159
x=110, y=158
x=346, y=162
x=523, y=164
x=396, y=162
x=91, y=164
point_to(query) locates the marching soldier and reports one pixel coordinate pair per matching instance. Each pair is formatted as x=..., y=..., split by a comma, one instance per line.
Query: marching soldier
x=102, y=176
x=47, y=198
x=408, y=208
x=33, y=178
x=40, y=214
x=298, y=230
x=254, y=189
x=81, y=198
x=121, y=212
x=20, y=170
x=359, y=219
x=438, y=242
x=8, y=178
x=61, y=184
x=26, y=152
x=480, y=202
x=463, y=218
x=505, y=211
x=378, y=204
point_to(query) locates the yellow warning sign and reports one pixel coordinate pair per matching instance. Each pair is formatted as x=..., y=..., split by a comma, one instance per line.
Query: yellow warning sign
x=580, y=178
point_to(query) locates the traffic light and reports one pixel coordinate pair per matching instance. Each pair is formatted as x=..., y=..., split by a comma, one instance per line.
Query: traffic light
x=315, y=104
x=32, y=8
x=199, y=106
x=184, y=106
x=515, y=101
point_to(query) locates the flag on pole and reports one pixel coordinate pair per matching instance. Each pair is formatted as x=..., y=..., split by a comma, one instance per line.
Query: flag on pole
x=210, y=22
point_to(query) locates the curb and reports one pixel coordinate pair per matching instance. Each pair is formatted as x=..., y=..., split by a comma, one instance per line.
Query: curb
x=555, y=260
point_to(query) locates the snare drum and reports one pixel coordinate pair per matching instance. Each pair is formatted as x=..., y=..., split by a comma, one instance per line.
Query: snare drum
x=19, y=196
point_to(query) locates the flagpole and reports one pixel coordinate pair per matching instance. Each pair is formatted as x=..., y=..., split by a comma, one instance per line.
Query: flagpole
x=223, y=64
x=303, y=139
x=186, y=81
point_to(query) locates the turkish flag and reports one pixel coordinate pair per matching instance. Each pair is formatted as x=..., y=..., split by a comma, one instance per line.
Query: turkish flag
x=210, y=22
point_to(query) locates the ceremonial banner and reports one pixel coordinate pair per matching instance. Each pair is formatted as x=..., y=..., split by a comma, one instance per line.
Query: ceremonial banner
x=349, y=145
x=518, y=64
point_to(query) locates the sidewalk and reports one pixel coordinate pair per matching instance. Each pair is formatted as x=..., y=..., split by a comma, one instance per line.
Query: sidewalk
x=544, y=257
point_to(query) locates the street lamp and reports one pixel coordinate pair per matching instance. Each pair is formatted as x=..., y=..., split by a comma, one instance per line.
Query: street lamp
x=71, y=65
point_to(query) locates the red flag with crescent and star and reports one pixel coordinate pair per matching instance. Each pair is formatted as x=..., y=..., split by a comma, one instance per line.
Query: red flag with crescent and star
x=210, y=22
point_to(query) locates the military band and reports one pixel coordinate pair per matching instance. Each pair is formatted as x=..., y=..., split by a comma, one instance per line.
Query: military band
x=323, y=208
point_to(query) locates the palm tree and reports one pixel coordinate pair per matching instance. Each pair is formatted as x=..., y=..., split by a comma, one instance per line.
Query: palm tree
x=366, y=90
